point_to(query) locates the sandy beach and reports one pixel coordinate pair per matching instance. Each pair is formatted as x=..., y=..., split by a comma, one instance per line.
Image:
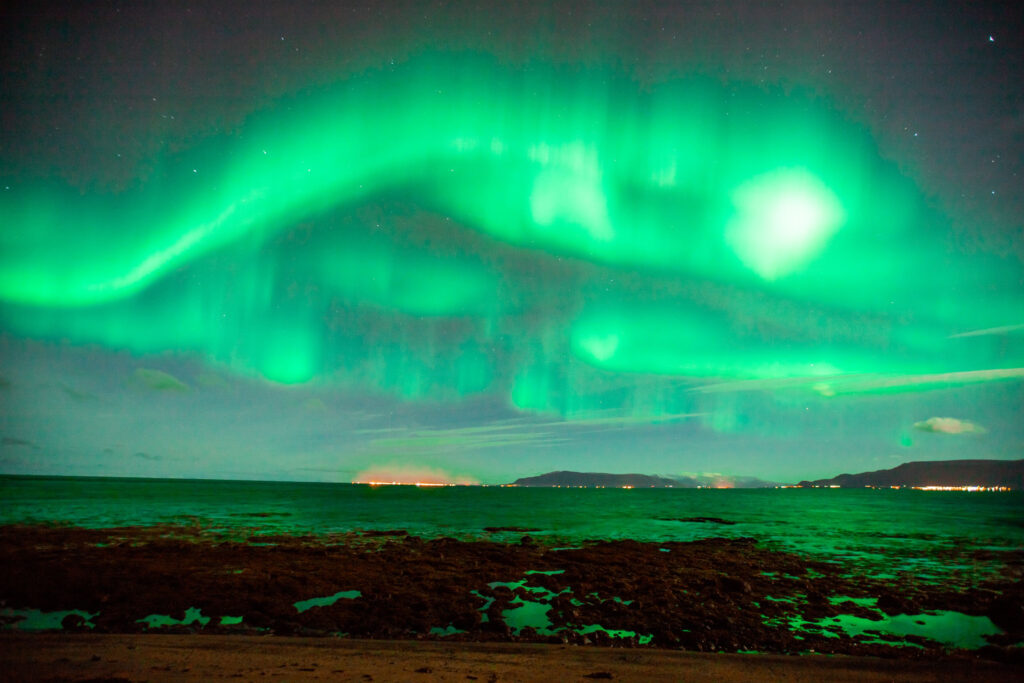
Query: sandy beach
x=117, y=658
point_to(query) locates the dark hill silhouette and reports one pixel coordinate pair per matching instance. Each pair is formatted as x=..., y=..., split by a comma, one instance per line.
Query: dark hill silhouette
x=565, y=478
x=936, y=473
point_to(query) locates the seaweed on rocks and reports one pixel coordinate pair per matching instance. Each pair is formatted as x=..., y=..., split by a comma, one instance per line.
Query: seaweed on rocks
x=713, y=594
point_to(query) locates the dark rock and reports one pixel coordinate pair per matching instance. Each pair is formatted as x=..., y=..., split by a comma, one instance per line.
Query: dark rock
x=1007, y=614
x=697, y=520
x=466, y=621
x=733, y=584
x=73, y=622
x=528, y=633
x=892, y=604
x=496, y=626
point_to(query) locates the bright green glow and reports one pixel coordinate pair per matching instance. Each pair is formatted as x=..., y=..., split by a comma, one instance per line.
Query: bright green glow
x=590, y=174
x=783, y=220
x=599, y=348
x=289, y=353
x=454, y=228
x=567, y=195
x=675, y=341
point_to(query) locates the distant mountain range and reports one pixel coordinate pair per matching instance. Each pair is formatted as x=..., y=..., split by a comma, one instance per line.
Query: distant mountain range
x=935, y=473
x=597, y=479
x=988, y=473
x=564, y=478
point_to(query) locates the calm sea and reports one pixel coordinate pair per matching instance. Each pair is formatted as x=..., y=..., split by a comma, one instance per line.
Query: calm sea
x=882, y=531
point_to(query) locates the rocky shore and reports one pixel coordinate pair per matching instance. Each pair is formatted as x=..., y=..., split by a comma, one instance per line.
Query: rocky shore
x=714, y=595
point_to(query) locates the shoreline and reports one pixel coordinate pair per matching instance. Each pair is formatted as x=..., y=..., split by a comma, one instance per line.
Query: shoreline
x=164, y=657
x=711, y=595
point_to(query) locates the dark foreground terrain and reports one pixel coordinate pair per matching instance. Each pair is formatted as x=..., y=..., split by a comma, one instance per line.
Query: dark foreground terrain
x=713, y=595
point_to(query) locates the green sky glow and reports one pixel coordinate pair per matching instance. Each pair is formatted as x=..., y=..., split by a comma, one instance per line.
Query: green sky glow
x=569, y=242
x=777, y=196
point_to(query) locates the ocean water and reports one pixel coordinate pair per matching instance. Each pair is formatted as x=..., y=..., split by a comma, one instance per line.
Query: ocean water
x=883, y=531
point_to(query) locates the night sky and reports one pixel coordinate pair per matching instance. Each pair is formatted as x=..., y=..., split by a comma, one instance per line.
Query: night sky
x=476, y=241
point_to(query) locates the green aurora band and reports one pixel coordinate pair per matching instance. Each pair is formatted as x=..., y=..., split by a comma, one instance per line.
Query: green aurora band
x=563, y=237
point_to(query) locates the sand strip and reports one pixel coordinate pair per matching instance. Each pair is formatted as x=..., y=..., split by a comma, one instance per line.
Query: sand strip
x=151, y=657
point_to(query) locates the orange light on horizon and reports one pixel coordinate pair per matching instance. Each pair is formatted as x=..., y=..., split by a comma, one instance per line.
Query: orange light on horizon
x=403, y=483
x=404, y=475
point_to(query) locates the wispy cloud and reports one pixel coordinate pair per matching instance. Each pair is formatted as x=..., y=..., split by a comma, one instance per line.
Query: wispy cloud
x=467, y=439
x=949, y=425
x=606, y=419
x=889, y=383
x=159, y=380
x=834, y=385
x=1004, y=329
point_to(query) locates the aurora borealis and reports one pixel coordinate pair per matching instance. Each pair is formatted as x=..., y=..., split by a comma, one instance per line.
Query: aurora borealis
x=470, y=257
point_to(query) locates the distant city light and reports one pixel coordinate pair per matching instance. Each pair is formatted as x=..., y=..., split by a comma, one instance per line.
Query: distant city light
x=960, y=487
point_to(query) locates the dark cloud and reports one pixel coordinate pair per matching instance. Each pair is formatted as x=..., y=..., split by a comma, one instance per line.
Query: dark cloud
x=147, y=456
x=12, y=441
x=77, y=395
x=159, y=380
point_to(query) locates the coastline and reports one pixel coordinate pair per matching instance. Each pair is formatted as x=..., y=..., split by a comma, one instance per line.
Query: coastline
x=152, y=657
x=712, y=595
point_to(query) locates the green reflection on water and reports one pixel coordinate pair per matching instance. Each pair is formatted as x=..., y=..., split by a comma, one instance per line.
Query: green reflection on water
x=38, y=620
x=192, y=615
x=304, y=605
x=947, y=627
